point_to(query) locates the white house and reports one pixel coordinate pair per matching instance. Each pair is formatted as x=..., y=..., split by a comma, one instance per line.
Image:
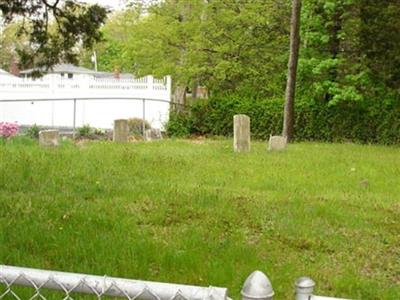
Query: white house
x=69, y=71
x=61, y=71
x=68, y=95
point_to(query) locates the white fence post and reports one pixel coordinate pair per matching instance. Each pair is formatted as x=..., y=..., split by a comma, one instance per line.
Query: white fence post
x=74, y=121
x=144, y=119
x=257, y=287
x=150, y=83
x=169, y=86
x=305, y=288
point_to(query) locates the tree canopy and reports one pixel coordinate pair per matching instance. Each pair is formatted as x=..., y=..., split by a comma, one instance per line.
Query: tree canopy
x=224, y=45
x=349, y=49
x=53, y=29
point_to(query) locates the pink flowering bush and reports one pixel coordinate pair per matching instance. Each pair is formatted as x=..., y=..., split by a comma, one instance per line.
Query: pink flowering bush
x=8, y=130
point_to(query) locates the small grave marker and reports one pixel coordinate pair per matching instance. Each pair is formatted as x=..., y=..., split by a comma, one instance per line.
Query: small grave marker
x=277, y=143
x=153, y=134
x=241, y=133
x=121, y=131
x=49, y=138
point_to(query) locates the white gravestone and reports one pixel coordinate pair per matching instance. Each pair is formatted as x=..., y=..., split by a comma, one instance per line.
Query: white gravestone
x=277, y=143
x=49, y=138
x=241, y=133
x=121, y=131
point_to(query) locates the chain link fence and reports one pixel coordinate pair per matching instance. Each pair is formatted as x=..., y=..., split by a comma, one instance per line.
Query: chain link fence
x=24, y=283
x=73, y=286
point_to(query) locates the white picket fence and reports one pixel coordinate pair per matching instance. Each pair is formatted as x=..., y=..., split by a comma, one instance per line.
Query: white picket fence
x=98, y=101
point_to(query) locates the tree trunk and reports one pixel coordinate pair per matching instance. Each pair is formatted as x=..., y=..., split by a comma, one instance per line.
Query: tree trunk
x=194, y=91
x=288, y=122
x=179, y=97
x=334, y=45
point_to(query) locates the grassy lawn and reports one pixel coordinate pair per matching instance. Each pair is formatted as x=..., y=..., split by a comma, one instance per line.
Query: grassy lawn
x=196, y=213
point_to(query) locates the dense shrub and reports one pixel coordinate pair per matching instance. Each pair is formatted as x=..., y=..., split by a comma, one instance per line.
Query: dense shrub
x=179, y=124
x=33, y=132
x=378, y=122
x=8, y=130
x=136, y=126
x=85, y=131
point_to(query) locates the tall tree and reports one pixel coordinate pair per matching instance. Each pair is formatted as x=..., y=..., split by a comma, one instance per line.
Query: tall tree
x=350, y=51
x=227, y=46
x=288, y=122
x=118, y=32
x=10, y=42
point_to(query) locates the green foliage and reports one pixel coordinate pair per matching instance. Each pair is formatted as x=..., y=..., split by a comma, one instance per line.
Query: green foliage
x=10, y=42
x=349, y=52
x=99, y=132
x=85, y=131
x=319, y=121
x=215, y=117
x=136, y=125
x=179, y=125
x=220, y=44
x=33, y=131
x=74, y=23
x=117, y=33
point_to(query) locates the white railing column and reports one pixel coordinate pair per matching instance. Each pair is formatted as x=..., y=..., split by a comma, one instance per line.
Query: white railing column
x=169, y=87
x=144, y=118
x=74, y=121
x=150, y=83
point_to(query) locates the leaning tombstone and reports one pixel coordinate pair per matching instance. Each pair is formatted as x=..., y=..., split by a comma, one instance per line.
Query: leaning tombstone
x=147, y=135
x=241, y=133
x=153, y=134
x=121, y=131
x=49, y=138
x=277, y=143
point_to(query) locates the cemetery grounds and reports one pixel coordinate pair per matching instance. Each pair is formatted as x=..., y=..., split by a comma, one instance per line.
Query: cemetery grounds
x=192, y=211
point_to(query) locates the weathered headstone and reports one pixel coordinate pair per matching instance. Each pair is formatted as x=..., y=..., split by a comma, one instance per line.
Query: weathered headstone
x=153, y=134
x=49, y=138
x=121, y=131
x=241, y=133
x=277, y=143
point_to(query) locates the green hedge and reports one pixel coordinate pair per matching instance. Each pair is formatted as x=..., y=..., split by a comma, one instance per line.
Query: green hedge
x=351, y=121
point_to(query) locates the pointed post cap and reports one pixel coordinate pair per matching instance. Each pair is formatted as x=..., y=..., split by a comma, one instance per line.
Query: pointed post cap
x=257, y=286
x=304, y=285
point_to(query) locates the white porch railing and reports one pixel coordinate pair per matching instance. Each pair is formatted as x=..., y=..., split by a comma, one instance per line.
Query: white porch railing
x=256, y=287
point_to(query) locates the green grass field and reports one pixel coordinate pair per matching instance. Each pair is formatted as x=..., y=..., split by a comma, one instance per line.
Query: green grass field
x=197, y=213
